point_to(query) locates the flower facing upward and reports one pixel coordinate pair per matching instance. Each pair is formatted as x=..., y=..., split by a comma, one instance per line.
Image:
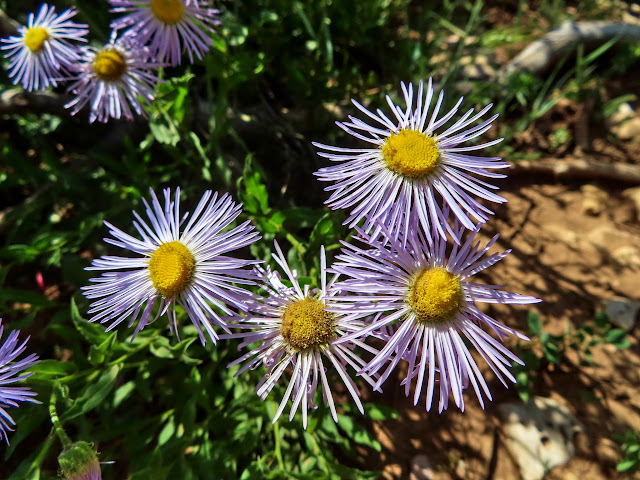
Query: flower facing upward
x=410, y=163
x=169, y=27
x=294, y=329
x=10, y=369
x=188, y=268
x=42, y=55
x=423, y=300
x=112, y=79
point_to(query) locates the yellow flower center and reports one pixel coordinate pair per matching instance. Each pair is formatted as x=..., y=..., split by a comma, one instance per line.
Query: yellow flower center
x=171, y=268
x=306, y=324
x=35, y=37
x=435, y=296
x=411, y=154
x=167, y=11
x=109, y=65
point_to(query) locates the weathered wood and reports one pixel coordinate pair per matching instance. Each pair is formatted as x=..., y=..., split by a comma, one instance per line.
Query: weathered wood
x=541, y=54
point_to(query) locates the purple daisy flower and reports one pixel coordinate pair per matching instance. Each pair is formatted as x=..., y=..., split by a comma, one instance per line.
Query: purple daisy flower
x=41, y=55
x=9, y=368
x=169, y=27
x=294, y=329
x=424, y=300
x=113, y=80
x=413, y=158
x=188, y=268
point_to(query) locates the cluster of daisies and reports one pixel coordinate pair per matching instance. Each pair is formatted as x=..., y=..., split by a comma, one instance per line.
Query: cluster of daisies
x=404, y=290
x=116, y=80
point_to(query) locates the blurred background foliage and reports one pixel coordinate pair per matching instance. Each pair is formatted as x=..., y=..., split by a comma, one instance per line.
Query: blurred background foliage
x=279, y=74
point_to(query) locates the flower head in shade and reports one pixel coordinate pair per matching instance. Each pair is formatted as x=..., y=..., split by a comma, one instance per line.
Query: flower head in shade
x=10, y=369
x=177, y=264
x=79, y=461
x=112, y=80
x=425, y=301
x=169, y=27
x=41, y=55
x=413, y=158
x=295, y=332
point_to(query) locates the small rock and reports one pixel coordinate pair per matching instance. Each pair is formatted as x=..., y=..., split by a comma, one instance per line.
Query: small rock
x=633, y=194
x=625, y=123
x=539, y=435
x=622, y=312
x=593, y=199
x=627, y=256
x=421, y=468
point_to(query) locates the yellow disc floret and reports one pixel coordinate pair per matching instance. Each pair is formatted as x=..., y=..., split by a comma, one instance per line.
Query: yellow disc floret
x=35, y=37
x=167, y=11
x=109, y=65
x=171, y=268
x=435, y=296
x=306, y=324
x=411, y=154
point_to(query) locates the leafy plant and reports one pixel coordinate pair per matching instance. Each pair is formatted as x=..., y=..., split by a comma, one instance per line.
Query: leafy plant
x=547, y=349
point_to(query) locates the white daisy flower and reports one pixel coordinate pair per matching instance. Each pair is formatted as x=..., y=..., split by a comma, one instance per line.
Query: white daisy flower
x=425, y=301
x=296, y=333
x=41, y=55
x=186, y=268
x=168, y=27
x=115, y=81
x=412, y=158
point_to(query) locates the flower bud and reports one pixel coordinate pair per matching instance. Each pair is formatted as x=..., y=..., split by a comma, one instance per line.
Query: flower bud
x=80, y=462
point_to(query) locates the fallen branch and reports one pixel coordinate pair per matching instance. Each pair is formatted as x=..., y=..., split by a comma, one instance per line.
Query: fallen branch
x=545, y=51
x=17, y=101
x=8, y=26
x=579, y=168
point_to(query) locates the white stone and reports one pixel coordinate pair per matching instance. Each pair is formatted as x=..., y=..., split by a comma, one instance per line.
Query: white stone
x=538, y=435
x=421, y=468
x=622, y=312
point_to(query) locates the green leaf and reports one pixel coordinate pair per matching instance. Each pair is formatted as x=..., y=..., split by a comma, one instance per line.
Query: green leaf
x=626, y=465
x=358, y=433
x=617, y=337
x=255, y=198
x=535, y=323
x=601, y=320
x=379, y=412
x=91, y=332
x=94, y=395
x=47, y=370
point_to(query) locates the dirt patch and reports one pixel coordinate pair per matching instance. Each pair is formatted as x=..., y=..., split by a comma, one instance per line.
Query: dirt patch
x=569, y=256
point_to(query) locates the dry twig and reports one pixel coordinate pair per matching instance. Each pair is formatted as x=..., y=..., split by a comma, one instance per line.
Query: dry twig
x=579, y=168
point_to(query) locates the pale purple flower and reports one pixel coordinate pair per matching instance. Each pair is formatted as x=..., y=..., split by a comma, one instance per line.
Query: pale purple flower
x=412, y=159
x=425, y=302
x=296, y=334
x=42, y=55
x=10, y=369
x=168, y=27
x=115, y=81
x=177, y=265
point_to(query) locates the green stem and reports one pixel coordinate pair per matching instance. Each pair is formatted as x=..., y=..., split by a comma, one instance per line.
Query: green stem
x=122, y=358
x=276, y=436
x=55, y=420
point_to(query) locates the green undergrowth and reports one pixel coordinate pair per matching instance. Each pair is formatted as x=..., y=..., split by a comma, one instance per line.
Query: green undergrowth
x=279, y=74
